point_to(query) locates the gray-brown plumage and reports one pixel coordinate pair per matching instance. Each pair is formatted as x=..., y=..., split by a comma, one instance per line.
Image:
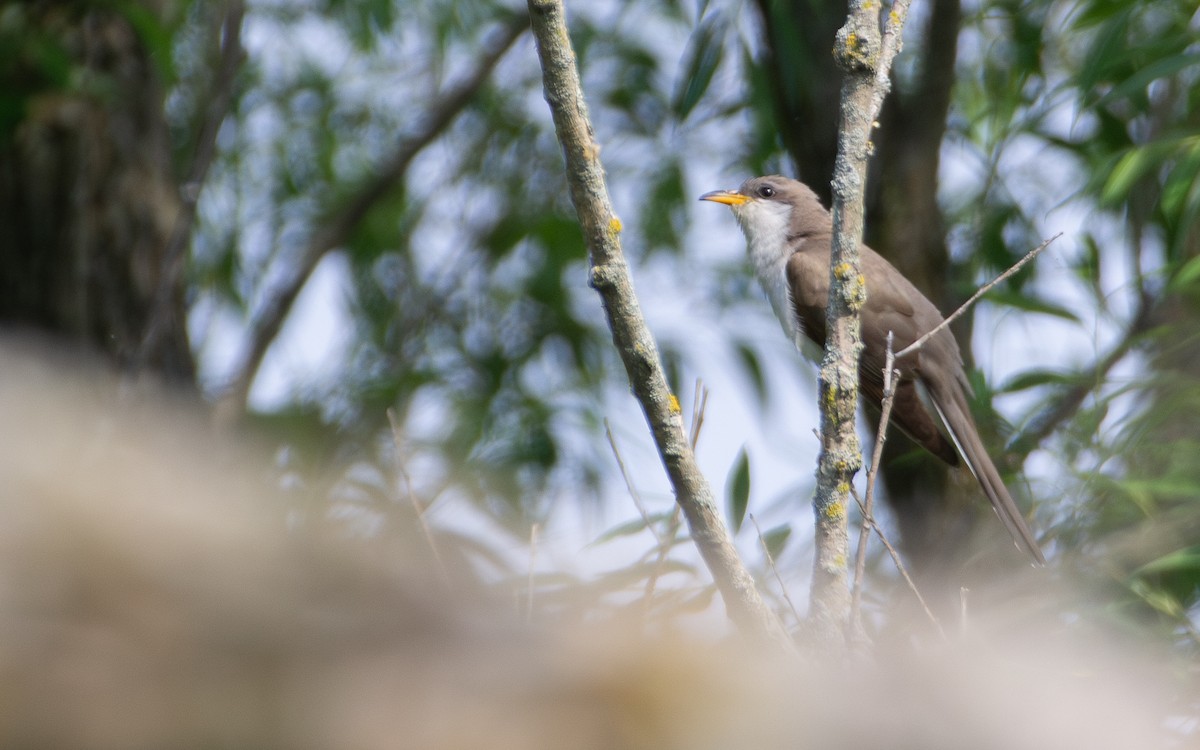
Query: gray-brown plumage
x=789, y=235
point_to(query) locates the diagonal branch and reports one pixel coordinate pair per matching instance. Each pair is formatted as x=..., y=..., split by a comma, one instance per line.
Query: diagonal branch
x=638, y=351
x=338, y=227
x=916, y=345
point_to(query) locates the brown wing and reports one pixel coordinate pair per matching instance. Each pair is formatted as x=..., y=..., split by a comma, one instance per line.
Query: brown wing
x=937, y=369
x=888, y=308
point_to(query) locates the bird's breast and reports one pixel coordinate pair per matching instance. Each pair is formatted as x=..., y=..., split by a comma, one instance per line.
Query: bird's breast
x=770, y=266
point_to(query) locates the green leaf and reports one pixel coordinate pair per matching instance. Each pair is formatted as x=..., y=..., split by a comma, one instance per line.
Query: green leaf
x=1033, y=378
x=700, y=62
x=1187, y=275
x=737, y=490
x=1144, y=76
x=1183, y=560
x=1157, y=599
x=749, y=359
x=629, y=528
x=776, y=539
x=1134, y=165
x=662, y=216
x=1030, y=304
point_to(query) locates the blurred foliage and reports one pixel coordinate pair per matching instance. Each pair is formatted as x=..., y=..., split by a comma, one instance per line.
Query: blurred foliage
x=467, y=282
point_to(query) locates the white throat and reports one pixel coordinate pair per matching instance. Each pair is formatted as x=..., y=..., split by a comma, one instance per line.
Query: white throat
x=766, y=225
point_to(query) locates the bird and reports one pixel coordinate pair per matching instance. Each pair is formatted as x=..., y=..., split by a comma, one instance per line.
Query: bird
x=789, y=236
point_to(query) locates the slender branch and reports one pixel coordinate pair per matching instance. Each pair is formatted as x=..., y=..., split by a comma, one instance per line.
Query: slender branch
x=762, y=540
x=916, y=345
x=890, y=375
x=865, y=53
x=629, y=486
x=534, y=530
x=665, y=543
x=912, y=585
x=699, y=407
x=338, y=227
x=412, y=497
x=638, y=351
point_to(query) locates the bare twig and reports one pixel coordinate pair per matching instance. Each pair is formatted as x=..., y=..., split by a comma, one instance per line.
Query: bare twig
x=665, y=543
x=774, y=570
x=629, y=486
x=912, y=585
x=638, y=351
x=402, y=473
x=890, y=376
x=699, y=406
x=533, y=542
x=916, y=345
x=340, y=224
x=865, y=53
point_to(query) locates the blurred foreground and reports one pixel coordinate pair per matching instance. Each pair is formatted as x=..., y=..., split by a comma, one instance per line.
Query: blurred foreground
x=156, y=590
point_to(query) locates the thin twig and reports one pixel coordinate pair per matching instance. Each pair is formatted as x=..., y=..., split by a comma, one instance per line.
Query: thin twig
x=699, y=405
x=533, y=540
x=890, y=377
x=916, y=345
x=402, y=473
x=666, y=542
x=774, y=570
x=629, y=486
x=912, y=585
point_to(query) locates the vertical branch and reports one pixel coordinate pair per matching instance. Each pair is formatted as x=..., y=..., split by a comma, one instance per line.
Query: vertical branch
x=865, y=54
x=638, y=351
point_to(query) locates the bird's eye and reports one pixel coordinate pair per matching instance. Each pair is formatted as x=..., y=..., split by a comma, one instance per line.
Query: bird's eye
x=766, y=191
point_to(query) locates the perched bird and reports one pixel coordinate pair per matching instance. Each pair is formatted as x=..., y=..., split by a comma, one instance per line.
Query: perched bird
x=789, y=235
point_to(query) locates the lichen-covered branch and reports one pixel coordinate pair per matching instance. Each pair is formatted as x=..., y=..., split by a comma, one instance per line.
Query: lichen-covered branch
x=865, y=53
x=638, y=351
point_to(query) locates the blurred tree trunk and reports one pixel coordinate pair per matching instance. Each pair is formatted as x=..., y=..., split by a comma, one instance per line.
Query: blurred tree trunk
x=87, y=195
x=904, y=221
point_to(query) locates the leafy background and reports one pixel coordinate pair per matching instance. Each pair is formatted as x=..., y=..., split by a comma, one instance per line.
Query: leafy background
x=374, y=219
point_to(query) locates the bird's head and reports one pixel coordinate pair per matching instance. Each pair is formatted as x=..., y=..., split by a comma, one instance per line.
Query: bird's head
x=771, y=209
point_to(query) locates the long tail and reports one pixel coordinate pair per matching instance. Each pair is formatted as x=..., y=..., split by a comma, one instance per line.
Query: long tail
x=954, y=413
